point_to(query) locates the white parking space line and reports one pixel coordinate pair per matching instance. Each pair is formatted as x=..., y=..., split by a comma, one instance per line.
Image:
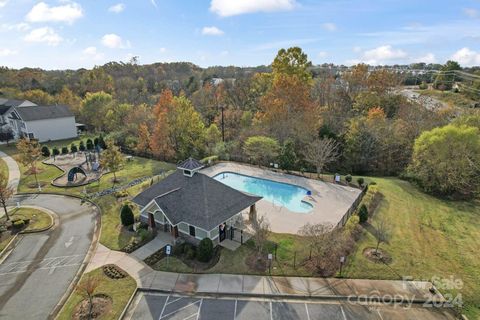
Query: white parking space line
x=175, y=300
x=47, y=268
x=271, y=311
x=199, y=308
x=306, y=309
x=182, y=308
x=343, y=313
x=163, y=309
x=235, y=311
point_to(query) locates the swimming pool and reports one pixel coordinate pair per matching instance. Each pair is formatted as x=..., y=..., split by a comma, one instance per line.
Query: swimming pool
x=280, y=194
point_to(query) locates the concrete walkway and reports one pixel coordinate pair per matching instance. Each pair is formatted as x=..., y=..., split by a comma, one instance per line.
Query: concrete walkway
x=160, y=241
x=265, y=286
x=13, y=171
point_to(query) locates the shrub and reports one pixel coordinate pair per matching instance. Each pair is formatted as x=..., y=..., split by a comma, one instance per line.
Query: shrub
x=126, y=215
x=73, y=148
x=144, y=234
x=101, y=143
x=348, y=178
x=373, y=183
x=95, y=141
x=205, y=250
x=89, y=144
x=55, y=151
x=18, y=224
x=45, y=151
x=64, y=150
x=360, y=181
x=81, y=146
x=363, y=214
x=190, y=253
x=423, y=86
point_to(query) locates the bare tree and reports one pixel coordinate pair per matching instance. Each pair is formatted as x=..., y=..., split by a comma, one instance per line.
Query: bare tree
x=261, y=228
x=324, y=242
x=383, y=232
x=87, y=288
x=5, y=193
x=321, y=152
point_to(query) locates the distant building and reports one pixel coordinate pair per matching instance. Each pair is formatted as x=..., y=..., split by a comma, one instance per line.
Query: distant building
x=26, y=119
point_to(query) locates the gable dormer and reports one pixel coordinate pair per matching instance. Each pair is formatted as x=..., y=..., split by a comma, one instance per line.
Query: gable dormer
x=190, y=166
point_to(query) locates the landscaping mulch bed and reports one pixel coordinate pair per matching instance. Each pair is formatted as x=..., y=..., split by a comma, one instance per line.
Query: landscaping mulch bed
x=113, y=272
x=255, y=263
x=379, y=256
x=102, y=304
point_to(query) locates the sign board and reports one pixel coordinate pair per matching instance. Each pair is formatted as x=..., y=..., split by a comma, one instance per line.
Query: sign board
x=275, y=165
x=168, y=249
x=342, y=259
x=270, y=256
x=337, y=178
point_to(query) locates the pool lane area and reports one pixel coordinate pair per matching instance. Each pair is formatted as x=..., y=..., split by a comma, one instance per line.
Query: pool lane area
x=285, y=203
x=278, y=193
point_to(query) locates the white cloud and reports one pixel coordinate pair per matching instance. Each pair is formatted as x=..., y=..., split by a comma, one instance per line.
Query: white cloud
x=3, y=3
x=472, y=13
x=163, y=50
x=322, y=54
x=45, y=34
x=467, y=57
x=68, y=12
x=329, y=26
x=22, y=26
x=119, y=7
x=382, y=55
x=428, y=58
x=224, y=53
x=357, y=49
x=212, y=31
x=92, y=52
x=7, y=52
x=227, y=8
x=114, y=41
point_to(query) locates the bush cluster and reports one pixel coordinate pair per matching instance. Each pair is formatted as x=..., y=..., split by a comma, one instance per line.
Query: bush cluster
x=205, y=250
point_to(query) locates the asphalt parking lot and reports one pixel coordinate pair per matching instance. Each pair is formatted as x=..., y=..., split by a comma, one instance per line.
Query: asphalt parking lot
x=159, y=306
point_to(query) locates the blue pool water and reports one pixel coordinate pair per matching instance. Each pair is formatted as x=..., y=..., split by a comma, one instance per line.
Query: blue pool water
x=280, y=194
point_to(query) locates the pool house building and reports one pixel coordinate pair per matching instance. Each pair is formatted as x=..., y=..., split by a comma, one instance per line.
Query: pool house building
x=194, y=206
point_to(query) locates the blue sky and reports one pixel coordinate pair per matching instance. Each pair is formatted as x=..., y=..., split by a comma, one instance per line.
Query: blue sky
x=58, y=34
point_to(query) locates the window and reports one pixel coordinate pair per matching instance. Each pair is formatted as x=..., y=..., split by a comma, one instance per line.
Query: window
x=192, y=231
x=201, y=234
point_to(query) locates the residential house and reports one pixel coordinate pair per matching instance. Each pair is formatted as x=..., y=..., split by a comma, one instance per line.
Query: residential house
x=193, y=205
x=44, y=123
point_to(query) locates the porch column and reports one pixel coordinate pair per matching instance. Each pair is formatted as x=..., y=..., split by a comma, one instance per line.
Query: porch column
x=252, y=215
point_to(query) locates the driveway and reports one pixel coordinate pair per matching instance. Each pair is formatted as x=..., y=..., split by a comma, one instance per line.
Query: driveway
x=37, y=273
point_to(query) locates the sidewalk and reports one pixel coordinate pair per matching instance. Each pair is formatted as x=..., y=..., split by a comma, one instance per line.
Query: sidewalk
x=265, y=286
x=13, y=171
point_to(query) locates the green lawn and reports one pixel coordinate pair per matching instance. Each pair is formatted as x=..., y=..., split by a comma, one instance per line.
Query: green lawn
x=430, y=238
x=38, y=220
x=120, y=290
x=4, y=170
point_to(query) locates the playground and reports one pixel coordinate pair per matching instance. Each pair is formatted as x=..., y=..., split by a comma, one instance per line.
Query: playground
x=79, y=169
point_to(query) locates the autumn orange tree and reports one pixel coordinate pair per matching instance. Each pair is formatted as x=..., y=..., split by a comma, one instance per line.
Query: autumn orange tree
x=30, y=152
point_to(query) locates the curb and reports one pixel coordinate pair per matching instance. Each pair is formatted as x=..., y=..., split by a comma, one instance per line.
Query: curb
x=273, y=296
x=53, y=217
x=127, y=306
x=93, y=246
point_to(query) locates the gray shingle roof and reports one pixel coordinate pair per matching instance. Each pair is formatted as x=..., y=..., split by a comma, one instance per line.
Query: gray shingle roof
x=13, y=102
x=199, y=200
x=190, y=164
x=32, y=113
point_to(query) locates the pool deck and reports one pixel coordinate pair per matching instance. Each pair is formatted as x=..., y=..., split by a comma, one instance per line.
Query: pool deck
x=330, y=201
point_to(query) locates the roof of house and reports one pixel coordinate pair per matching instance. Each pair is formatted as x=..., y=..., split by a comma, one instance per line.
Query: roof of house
x=31, y=113
x=198, y=200
x=190, y=164
x=14, y=103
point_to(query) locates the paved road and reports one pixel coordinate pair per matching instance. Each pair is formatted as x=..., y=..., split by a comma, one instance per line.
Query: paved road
x=157, y=306
x=35, y=276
